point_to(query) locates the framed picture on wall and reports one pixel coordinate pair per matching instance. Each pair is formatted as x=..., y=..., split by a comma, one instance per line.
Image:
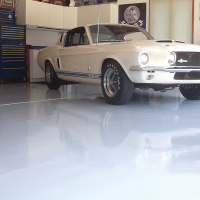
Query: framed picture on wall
x=133, y=14
x=7, y=3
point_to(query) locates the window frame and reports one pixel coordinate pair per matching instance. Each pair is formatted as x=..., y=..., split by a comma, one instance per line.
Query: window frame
x=70, y=35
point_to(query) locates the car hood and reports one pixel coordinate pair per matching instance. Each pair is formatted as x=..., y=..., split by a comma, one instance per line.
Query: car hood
x=163, y=45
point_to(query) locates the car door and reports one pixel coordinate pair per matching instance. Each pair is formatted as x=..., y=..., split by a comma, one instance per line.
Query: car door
x=73, y=56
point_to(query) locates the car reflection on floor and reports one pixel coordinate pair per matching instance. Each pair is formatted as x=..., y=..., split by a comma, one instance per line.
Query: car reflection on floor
x=149, y=125
x=74, y=145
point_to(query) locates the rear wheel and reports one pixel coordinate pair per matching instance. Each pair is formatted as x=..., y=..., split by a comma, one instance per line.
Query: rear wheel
x=191, y=92
x=53, y=82
x=116, y=86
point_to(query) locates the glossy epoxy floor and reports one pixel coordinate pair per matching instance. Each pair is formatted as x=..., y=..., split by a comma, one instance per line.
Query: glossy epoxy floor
x=71, y=145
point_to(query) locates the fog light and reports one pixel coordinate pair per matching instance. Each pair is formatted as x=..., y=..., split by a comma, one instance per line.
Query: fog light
x=150, y=77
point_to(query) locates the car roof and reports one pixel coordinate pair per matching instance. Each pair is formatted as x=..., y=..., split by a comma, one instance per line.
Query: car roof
x=112, y=24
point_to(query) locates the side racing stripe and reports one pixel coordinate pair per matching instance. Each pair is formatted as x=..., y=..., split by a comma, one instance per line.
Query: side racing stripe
x=79, y=74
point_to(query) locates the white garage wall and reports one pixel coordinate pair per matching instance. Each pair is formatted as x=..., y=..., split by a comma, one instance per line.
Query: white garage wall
x=196, y=22
x=21, y=12
x=36, y=37
x=171, y=19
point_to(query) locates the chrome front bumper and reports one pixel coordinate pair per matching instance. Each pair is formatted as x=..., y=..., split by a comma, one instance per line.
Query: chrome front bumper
x=160, y=75
x=171, y=69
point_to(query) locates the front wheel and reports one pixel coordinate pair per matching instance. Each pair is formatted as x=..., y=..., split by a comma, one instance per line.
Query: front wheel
x=116, y=86
x=191, y=92
x=53, y=82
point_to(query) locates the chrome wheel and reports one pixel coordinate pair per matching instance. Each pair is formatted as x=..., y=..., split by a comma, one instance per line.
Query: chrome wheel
x=111, y=82
x=53, y=82
x=49, y=73
x=116, y=86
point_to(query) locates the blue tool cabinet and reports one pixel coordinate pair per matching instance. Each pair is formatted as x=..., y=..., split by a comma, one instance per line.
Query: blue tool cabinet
x=7, y=16
x=12, y=51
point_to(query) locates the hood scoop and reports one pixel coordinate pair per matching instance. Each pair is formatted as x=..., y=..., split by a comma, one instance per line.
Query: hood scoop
x=169, y=41
x=179, y=41
x=164, y=41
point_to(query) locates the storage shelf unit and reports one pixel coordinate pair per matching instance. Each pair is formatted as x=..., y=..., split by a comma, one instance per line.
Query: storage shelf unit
x=12, y=51
x=34, y=13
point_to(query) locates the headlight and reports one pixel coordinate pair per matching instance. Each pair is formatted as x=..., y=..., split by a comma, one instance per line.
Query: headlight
x=143, y=58
x=171, y=58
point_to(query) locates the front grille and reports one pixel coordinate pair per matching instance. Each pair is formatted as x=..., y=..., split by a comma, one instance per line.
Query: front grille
x=187, y=76
x=187, y=59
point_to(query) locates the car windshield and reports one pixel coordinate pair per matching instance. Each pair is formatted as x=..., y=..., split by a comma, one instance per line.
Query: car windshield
x=118, y=33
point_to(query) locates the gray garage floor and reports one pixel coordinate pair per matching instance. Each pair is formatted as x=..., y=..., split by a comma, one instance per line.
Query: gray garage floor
x=71, y=145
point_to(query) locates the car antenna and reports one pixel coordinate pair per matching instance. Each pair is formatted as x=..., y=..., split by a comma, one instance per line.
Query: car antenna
x=98, y=28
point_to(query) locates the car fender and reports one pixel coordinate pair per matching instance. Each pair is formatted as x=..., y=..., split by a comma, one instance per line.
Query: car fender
x=51, y=60
x=117, y=59
x=44, y=55
x=40, y=60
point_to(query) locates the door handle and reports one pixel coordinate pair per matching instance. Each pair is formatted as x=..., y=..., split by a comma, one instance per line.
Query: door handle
x=61, y=50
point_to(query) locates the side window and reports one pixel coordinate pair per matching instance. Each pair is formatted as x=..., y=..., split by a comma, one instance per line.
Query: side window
x=77, y=37
x=102, y=37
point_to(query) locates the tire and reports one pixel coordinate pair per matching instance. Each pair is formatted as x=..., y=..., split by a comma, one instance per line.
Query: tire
x=191, y=92
x=116, y=86
x=53, y=82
